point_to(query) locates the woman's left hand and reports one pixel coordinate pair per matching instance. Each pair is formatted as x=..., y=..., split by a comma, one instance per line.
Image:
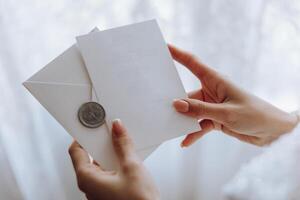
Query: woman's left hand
x=131, y=182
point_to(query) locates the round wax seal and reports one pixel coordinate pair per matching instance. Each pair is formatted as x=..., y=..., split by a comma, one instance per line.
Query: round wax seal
x=91, y=114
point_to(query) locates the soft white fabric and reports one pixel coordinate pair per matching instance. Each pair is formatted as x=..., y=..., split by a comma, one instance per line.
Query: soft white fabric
x=273, y=175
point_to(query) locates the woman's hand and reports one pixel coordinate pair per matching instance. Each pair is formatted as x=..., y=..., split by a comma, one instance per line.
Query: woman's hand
x=221, y=105
x=131, y=182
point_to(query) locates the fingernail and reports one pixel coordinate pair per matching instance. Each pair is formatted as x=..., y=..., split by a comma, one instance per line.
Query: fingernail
x=181, y=105
x=186, y=142
x=117, y=127
x=182, y=144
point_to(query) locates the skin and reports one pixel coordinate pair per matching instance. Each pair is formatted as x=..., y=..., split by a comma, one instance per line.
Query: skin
x=218, y=104
x=131, y=182
x=221, y=105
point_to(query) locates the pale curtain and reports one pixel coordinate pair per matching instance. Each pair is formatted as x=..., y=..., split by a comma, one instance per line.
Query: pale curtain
x=256, y=43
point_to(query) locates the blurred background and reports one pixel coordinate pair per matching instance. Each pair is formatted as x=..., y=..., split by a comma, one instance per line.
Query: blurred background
x=256, y=43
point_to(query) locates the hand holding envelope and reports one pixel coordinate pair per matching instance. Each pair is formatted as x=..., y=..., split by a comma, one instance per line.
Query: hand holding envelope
x=129, y=72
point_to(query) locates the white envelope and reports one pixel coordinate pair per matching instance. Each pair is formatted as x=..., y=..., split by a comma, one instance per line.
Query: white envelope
x=61, y=87
x=64, y=85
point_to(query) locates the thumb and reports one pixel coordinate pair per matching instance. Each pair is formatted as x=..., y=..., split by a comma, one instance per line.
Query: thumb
x=200, y=109
x=122, y=143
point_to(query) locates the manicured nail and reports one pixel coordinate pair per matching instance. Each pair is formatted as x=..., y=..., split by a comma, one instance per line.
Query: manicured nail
x=181, y=105
x=117, y=127
x=182, y=144
x=187, y=141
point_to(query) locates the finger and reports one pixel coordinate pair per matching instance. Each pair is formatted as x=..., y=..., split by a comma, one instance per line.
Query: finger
x=87, y=174
x=123, y=144
x=206, y=127
x=102, y=170
x=196, y=94
x=96, y=163
x=191, y=62
x=245, y=138
x=200, y=109
x=78, y=155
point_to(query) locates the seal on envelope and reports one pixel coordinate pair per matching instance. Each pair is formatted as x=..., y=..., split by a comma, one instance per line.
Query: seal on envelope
x=91, y=115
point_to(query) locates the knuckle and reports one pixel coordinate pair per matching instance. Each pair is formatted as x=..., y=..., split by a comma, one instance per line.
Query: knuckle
x=70, y=150
x=81, y=184
x=82, y=174
x=130, y=165
x=191, y=58
x=123, y=142
x=198, y=108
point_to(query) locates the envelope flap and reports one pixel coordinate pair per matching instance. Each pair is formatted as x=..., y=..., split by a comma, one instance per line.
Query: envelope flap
x=66, y=68
x=63, y=101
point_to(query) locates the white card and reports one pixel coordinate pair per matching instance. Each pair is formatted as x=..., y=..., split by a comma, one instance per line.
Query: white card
x=136, y=80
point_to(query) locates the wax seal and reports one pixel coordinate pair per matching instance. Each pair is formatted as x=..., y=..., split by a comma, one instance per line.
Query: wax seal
x=91, y=115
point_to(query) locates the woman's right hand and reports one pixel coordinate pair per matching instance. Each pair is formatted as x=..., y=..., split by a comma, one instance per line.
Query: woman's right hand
x=221, y=105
